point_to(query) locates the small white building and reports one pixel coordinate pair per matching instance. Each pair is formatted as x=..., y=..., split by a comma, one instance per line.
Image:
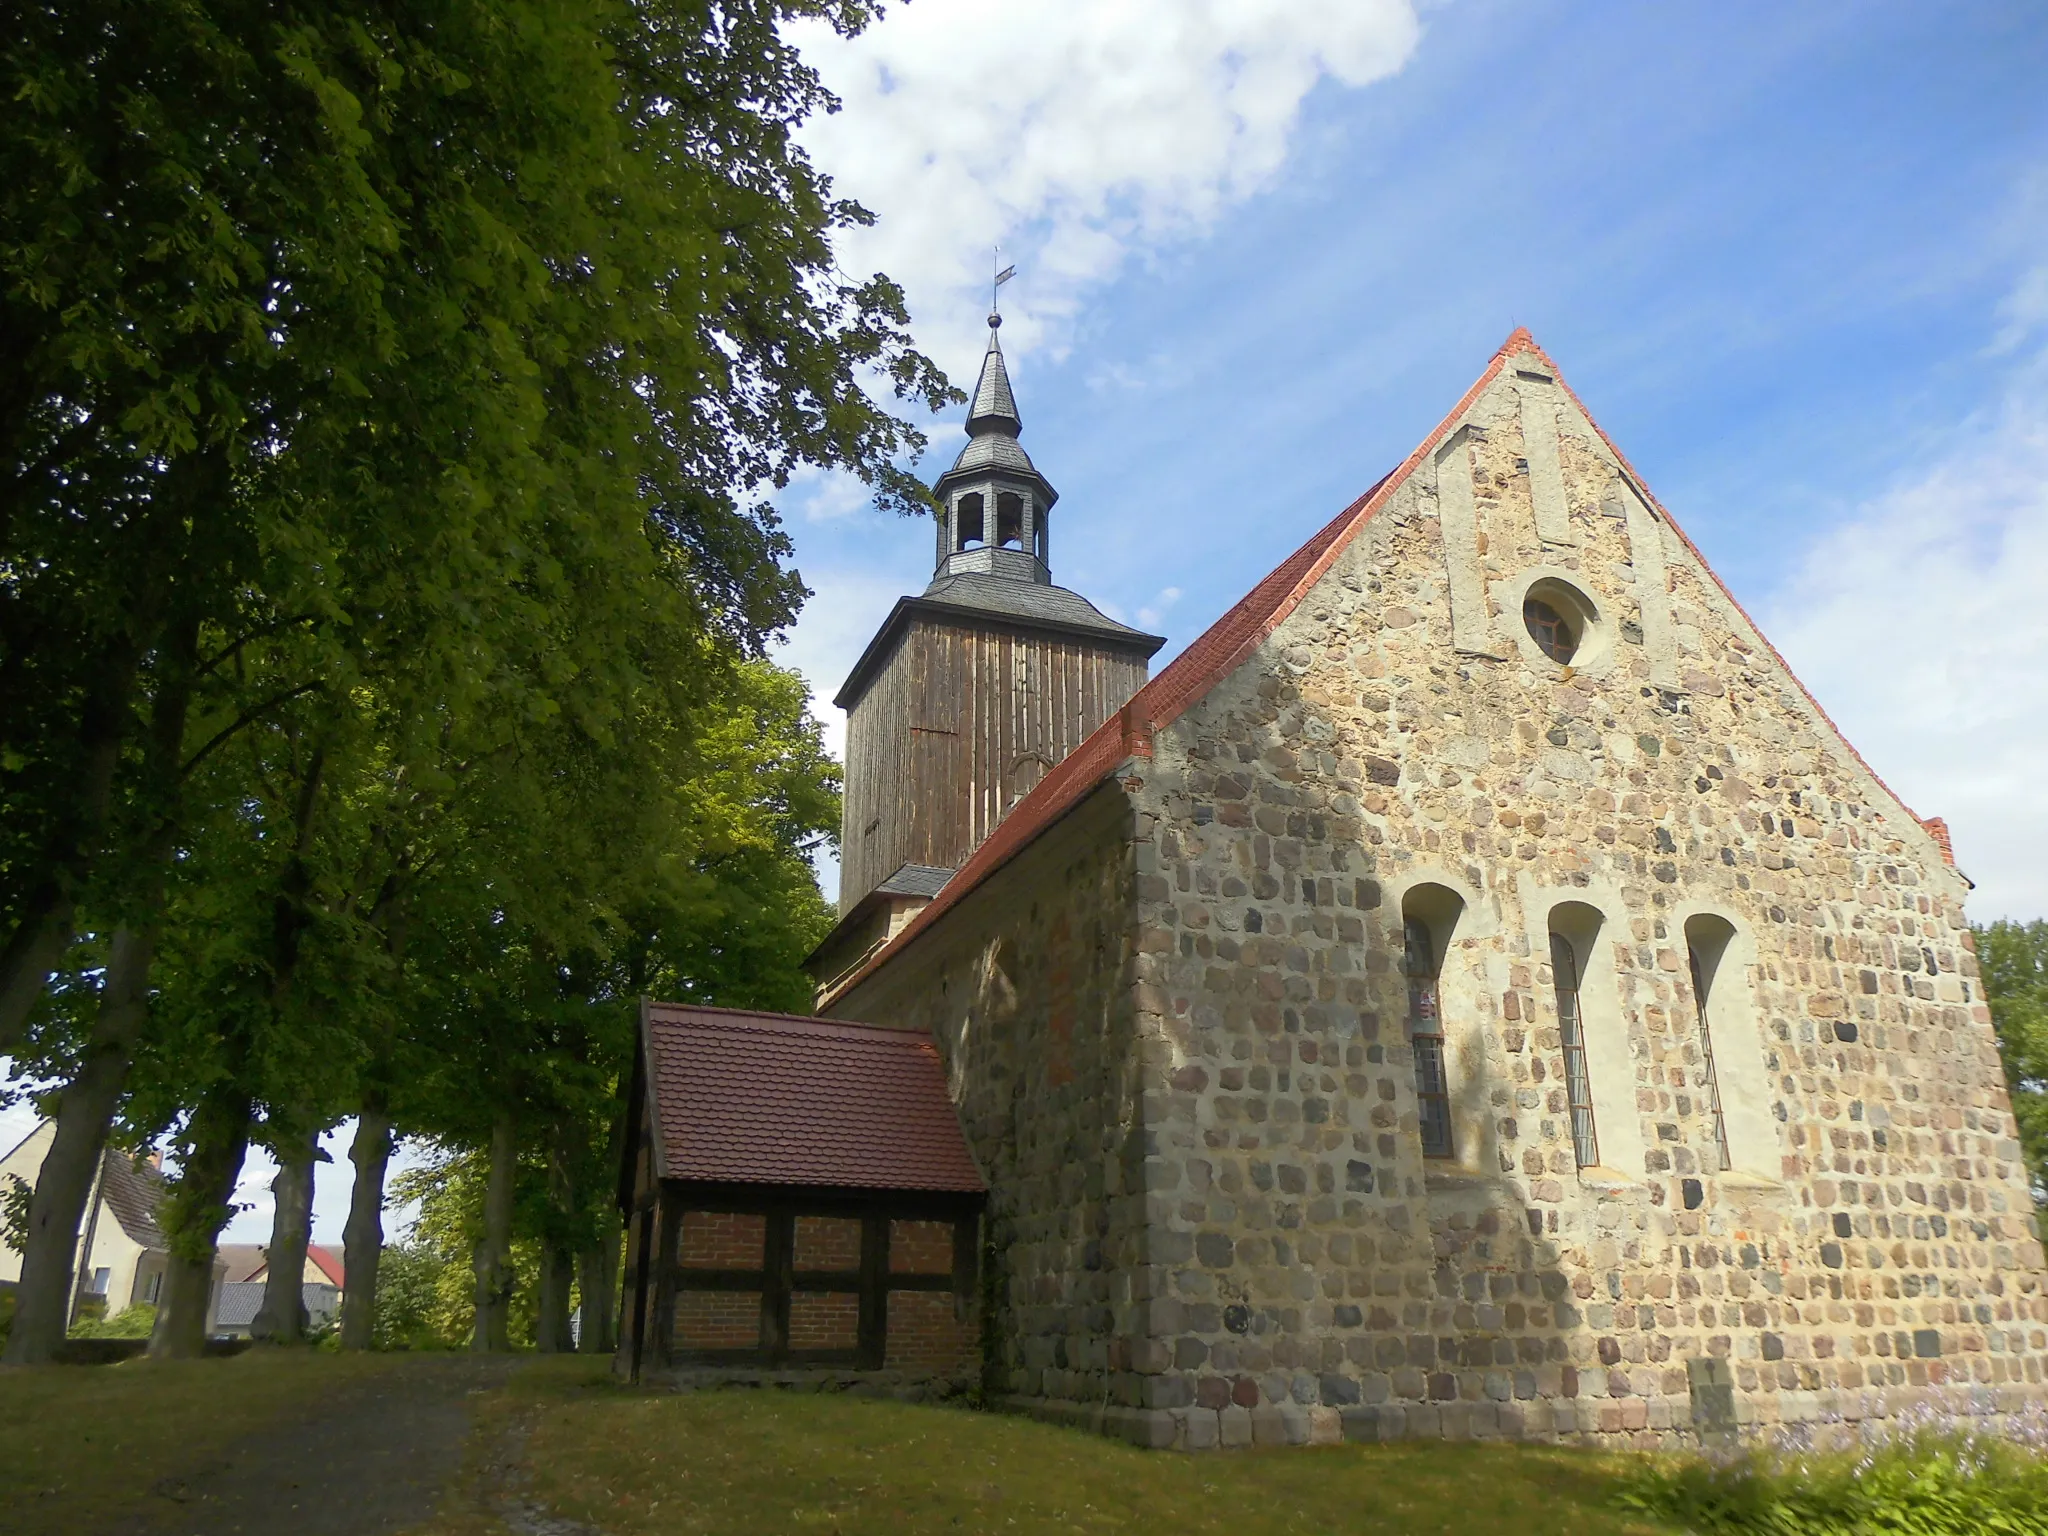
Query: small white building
x=121, y=1251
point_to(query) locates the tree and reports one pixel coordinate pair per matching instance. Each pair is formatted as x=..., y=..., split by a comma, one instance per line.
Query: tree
x=456, y=286
x=2012, y=960
x=433, y=350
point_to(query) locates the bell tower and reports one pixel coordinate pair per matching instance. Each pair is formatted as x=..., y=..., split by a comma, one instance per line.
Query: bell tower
x=972, y=690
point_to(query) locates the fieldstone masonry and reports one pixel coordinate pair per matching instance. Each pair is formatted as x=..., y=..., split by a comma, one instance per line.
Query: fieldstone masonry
x=1178, y=1022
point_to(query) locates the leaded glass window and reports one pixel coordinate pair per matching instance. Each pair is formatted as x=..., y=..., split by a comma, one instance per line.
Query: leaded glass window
x=1699, y=1002
x=1564, y=969
x=1426, y=1036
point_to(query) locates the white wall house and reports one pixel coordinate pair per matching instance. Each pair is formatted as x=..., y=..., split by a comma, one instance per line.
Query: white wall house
x=121, y=1251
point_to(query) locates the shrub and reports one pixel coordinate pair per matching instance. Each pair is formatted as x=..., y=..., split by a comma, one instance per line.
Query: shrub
x=134, y=1322
x=412, y=1307
x=1930, y=1482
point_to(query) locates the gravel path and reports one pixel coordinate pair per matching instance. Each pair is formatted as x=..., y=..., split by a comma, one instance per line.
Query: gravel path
x=373, y=1458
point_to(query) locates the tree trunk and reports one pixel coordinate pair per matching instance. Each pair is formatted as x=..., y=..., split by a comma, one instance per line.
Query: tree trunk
x=557, y=1278
x=495, y=1279
x=362, y=1240
x=45, y=929
x=197, y=1207
x=86, y=1109
x=554, y=1334
x=599, y=1279
x=33, y=953
x=43, y=1300
x=282, y=1319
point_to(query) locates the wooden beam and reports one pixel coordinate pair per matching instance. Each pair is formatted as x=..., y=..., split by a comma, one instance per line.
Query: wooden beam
x=668, y=1233
x=777, y=1264
x=873, y=1347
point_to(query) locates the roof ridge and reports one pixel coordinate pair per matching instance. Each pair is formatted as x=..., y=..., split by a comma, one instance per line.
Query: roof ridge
x=764, y=1020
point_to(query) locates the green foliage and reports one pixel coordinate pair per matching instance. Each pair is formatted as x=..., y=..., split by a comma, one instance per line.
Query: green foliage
x=386, y=565
x=2012, y=960
x=132, y=1322
x=450, y=1190
x=411, y=1308
x=15, y=1197
x=1929, y=1484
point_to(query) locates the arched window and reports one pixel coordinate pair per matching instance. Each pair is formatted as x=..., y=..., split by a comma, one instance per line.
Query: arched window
x=1025, y=774
x=1706, y=944
x=1010, y=520
x=1429, y=914
x=1573, y=931
x=969, y=520
x=1038, y=532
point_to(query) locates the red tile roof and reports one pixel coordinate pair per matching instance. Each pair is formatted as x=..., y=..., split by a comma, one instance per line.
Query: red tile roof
x=1937, y=828
x=327, y=1261
x=1220, y=649
x=768, y=1098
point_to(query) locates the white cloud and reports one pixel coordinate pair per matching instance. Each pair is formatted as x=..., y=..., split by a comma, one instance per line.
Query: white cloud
x=824, y=496
x=1074, y=132
x=1153, y=614
x=2024, y=311
x=1921, y=623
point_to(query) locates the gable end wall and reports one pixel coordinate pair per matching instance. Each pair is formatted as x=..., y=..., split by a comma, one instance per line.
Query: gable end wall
x=1873, y=1241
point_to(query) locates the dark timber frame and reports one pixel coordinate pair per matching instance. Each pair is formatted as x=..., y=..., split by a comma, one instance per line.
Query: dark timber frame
x=655, y=1209
x=778, y=1278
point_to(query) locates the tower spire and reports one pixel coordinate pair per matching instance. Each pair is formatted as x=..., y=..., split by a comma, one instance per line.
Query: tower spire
x=995, y=406
x=994, y=501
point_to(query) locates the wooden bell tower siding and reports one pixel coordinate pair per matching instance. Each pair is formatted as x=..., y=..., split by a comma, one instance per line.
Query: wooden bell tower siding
x=959, y=707
x=798, y=1193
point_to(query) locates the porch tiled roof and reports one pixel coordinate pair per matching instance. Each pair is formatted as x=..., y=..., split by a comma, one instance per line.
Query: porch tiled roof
x=769, y=1098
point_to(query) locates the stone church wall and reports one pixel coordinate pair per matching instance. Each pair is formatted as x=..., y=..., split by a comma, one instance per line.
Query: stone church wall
x=1401, y=744
x=1028, y=987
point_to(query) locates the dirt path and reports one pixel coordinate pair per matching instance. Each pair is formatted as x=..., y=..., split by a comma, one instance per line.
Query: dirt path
x=374, y=1458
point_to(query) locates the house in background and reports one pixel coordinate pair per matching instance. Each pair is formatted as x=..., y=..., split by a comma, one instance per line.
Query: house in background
x=121, y=1251
x=246, y=1273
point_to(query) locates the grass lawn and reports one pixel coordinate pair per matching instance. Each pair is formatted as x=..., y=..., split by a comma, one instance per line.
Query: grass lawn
x=79, y=1442
x=752, y=1461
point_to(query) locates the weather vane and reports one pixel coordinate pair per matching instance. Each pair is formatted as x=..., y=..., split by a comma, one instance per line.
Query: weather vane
x=995, y=287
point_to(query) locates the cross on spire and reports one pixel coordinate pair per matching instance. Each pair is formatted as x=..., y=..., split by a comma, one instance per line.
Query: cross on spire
x=1002, y=275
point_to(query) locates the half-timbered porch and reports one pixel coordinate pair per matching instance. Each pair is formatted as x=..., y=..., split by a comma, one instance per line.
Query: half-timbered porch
x=799, y=1197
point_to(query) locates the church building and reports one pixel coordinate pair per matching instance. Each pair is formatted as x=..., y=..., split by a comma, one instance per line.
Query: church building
x=1473, y=990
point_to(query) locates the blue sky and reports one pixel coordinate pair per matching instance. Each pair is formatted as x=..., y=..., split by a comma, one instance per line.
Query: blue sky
x=1793, y=257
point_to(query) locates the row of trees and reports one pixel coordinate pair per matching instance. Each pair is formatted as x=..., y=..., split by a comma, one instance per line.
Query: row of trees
x=394, y=393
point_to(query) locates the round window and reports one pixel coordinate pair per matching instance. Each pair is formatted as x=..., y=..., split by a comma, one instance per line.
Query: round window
x=1554, y=633
x=1563, y=623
